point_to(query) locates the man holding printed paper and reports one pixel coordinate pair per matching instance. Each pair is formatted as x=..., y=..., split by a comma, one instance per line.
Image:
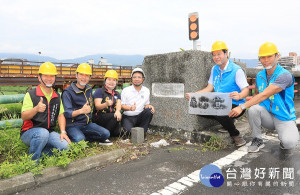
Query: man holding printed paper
x=227, y=77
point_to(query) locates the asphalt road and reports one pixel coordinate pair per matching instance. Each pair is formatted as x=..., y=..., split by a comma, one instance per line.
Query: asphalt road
x=273, y=171
x=270, y=171
x=141, y=176
x=164, y=166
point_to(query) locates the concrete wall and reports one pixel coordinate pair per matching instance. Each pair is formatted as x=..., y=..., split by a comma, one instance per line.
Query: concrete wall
x=192, y=68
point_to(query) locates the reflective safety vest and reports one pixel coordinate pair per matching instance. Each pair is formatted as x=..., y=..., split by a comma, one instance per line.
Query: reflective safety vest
x=225, y=82
x=281, y=105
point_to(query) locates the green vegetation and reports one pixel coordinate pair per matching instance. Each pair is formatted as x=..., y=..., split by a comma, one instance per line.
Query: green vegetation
x=10, y=111
x=14, y=158
x=214, y=144
x=177, y=149
x=11, y=90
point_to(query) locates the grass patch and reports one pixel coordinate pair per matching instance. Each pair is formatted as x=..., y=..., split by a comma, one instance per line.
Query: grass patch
x=214, y=144
x=14, y=158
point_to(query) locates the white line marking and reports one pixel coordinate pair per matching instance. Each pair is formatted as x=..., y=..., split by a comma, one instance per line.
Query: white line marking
x=193, y=178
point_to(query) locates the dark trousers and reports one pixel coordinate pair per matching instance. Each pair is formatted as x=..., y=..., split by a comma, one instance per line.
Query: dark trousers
x=142, y=120
x=108, y=121
x=227, y=122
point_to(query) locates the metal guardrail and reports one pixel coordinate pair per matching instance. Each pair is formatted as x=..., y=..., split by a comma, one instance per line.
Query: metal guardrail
x=25, y=73
x=32, y=67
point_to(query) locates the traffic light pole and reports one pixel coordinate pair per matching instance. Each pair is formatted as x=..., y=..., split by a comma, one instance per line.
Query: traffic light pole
x=194, y=44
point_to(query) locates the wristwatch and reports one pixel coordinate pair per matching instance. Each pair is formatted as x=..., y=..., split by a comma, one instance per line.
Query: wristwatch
x=243, y=106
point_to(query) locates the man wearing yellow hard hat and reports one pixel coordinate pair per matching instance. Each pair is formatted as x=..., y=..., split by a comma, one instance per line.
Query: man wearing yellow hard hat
x=108, y=104
x=227, y=77
x=42, y=108
x=78, y=101
x=272, y=107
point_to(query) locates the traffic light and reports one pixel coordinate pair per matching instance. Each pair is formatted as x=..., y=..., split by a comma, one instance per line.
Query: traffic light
x=193, y=26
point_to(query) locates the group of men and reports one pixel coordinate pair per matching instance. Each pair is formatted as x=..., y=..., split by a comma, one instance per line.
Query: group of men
x=272, y=107
x=43, y=107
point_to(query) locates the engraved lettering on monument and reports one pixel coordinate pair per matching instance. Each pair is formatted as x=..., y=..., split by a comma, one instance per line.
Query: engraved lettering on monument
x=174, y=90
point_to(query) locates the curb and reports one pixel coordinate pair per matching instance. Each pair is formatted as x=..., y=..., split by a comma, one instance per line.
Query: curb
x=28, y=180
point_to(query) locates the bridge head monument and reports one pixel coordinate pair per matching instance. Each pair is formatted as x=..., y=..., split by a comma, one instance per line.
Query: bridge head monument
x=169, y=76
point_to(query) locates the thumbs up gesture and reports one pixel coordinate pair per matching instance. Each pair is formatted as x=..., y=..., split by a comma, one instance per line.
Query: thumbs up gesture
x=109, y=102
x=41, y=107
x=133, y=107
x=86, y=108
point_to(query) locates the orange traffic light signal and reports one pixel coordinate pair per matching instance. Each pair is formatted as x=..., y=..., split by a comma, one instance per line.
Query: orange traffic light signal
x=193, y=26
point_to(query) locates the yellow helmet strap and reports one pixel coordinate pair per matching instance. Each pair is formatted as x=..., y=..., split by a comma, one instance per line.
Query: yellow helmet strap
x=49, y=86
x=107, y=86
x=225, y=51
x=82, y=84
x=270, y=67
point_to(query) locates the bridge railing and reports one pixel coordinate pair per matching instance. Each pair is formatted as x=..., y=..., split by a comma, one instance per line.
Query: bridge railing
x=63, y=69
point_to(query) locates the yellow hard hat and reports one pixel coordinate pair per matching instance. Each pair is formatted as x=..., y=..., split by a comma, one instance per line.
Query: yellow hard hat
x=267, y=49
x=111, y=74
x=47, y=68
x=218, y=45
x=84, y=68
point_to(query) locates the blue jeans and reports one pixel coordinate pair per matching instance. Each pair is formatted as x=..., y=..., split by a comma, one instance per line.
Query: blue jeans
x=41, y=141
x=89, y=132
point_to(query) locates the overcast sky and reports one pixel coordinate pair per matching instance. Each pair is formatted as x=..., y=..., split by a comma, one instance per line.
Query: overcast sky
x=73, y=28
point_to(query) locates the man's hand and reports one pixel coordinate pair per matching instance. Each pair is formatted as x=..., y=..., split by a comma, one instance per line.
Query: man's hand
x=151, y=108
x=86, y=108
x=133, y=107
x=118, y=115
x=187, y=96
x=235, y=112
x=63, y=135
x=235, y=95
x=41, y=107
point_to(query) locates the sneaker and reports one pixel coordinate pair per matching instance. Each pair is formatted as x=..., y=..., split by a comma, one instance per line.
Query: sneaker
x=106, y=143
x=223, y=130
x=256, y=145
x=239, y=140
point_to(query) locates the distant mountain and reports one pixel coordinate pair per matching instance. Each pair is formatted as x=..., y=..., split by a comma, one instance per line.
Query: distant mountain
x=29, y=57
x=124, y=60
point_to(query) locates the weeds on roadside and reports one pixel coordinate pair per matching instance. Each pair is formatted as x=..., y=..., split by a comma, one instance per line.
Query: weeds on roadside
x=14, y=158
x=214, y=144
x=23, y=165
x=11, y=145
